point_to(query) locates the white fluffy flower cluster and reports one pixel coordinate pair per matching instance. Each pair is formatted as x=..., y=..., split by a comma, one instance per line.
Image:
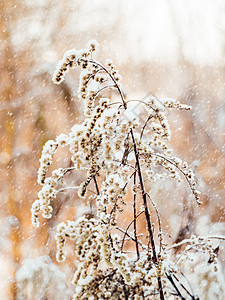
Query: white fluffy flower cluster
x=172, y=103
x=46, y=196
x=71, y=59
x=48, y=151
x=51, y=184
x=84, y=230
x=94, y=245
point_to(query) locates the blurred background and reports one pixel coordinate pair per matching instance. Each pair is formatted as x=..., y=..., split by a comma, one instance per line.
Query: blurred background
x=166, y=48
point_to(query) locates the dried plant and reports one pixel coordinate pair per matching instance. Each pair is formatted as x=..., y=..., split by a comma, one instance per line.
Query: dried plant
x=120, y=153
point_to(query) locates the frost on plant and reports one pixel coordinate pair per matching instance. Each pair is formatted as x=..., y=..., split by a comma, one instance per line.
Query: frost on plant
x=119, y=153
x=39, y=278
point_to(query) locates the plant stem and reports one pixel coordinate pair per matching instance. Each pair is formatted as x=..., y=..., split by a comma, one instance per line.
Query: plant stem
x=135, y=221
x=96, y=185
x=125, y=232
x=147, y=214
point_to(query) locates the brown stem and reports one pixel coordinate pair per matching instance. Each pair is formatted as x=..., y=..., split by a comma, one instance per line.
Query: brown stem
x=147, y=214
x=125, y=233
x=96, y=185
x=135, y=221
x=159, y=221
x=192, y=297
x=146, y=122
x=170, y=278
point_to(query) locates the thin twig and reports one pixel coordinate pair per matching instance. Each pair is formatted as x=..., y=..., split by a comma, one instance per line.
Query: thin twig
x=68, y=170
x=103, y=88
x=186, y=241
x=174, y=285
x=131, y=237
x=159, y=222
x=186, y=290
x=67, y=188
x=96, y=185
x=146, y=122
x=125, y=233
x=129, y=227
x=135, y=221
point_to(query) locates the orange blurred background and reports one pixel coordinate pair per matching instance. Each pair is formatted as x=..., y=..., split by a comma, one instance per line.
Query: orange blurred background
x=167, y=48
